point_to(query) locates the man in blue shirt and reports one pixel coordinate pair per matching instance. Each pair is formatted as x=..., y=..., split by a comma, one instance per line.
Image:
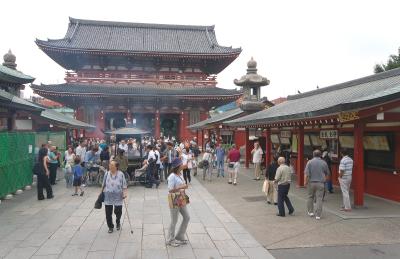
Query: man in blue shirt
x=220, y=153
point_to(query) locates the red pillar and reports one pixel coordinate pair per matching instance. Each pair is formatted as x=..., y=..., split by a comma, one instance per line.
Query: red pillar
x=202, y=140
x=300, y=157
x=247, y=151
x=358, y=174
x=157, y=129
x=268, y=147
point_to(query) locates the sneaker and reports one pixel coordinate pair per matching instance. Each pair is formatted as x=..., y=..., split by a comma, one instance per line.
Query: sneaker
x=83, y=185
x=291, y=213
x=310, y=214
x=345, y=210
x=173, y=243
x=268, y=202
x=75, y=194
x=181, y=242
x=50, y=197
x=317, y=218
x=234, y=183
x=118, y=227
x=229, y=182
x=110, y=230
x=82, y=193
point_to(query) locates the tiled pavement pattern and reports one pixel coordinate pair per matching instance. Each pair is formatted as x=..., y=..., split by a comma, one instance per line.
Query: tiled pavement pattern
x=67, y=227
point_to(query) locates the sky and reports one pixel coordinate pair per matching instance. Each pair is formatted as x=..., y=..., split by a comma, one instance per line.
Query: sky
x=298, y=45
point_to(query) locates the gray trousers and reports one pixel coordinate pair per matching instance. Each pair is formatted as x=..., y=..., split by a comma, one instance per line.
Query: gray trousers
x=315, y=191
x=174, y=219
x=345, y=183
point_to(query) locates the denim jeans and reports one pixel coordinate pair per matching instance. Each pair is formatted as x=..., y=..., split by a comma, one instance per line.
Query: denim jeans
x=220, y=168
x=283, y=191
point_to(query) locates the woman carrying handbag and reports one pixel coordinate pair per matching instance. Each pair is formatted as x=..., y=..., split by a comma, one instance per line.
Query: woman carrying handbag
x=177, y=200
x=115, y=191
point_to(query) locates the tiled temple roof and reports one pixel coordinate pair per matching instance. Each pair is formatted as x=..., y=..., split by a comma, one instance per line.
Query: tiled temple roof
x=139, y=38
x=131, y=90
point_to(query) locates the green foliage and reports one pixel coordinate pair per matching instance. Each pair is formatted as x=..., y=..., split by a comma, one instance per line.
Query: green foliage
x=392, y=63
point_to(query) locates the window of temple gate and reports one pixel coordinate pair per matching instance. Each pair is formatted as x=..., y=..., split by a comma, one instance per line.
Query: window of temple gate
x=89, y=114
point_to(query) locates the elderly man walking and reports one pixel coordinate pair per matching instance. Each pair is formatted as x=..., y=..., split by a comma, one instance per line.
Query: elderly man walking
x=345, y=176
x=283, y=180
x=316, y=173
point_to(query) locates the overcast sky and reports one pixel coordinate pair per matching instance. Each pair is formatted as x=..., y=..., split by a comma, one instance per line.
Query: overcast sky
x=297, y=44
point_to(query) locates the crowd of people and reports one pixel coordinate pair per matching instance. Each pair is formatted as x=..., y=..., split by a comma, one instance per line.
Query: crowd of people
x=175, y=162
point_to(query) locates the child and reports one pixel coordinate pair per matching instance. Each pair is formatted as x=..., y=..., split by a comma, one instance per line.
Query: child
x=78, y=173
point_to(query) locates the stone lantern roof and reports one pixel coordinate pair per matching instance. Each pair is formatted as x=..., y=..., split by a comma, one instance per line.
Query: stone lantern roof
x=251, y=79
x=251, y=83
x=9, y=60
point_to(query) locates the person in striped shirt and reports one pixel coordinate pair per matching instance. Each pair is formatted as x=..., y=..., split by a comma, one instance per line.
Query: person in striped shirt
x=345, y=176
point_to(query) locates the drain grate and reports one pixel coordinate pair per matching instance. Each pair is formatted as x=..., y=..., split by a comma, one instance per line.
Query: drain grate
x=254, y=198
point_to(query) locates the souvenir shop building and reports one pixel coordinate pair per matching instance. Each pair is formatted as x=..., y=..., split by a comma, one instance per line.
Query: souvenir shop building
x=362, y=115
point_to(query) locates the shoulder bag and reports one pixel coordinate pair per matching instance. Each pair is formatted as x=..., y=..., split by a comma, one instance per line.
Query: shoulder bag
x=100, y=198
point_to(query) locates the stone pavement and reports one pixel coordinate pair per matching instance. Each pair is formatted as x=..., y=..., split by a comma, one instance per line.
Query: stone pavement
x=378, y=223
x=68, y=227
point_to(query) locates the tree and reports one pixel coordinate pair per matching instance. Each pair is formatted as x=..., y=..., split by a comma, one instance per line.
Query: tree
x=392, y=63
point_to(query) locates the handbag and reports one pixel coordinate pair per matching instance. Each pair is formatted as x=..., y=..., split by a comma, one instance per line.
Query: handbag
x=265, y=187
x=178, y=199
x=100, y=199
x=231, y=165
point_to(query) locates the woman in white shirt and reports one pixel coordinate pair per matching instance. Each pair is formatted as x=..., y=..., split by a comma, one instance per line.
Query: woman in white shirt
x=207, y=164
x=186, y=161
x=177, y=185
x=69, y=159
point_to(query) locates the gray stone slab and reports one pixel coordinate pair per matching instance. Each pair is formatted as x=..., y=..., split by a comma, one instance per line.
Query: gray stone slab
x=64, y=232
x=83, y=237
x=235, y=228
x=52, y=247
x=218, y=234
x=155, y=254
x=128, y=250
x=21, y=253
x=153, y=242
x=207, y=253
x=153, y=229
x=100, y=255
x=196, y=228
x=19, y=234
x=202, y=241
x=105, y=243
x=127, y=237
x=180, y=252
x=74, y=221
x=152, y=218
x=229, y=248
x=245, y=240
x=75, y=251
x=7, y=246
x=44, y=257
x=35, y=239
x=257, y=253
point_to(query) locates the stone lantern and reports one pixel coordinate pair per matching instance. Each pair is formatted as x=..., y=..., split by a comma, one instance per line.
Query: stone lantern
x=251, y=83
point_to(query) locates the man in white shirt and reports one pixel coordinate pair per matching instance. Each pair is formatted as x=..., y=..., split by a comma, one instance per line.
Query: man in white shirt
x=257, y=153
x=81, y=150
x=345, y=177
x=123, y=146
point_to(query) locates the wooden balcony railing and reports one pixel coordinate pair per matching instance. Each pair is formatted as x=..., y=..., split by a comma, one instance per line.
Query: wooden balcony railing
x=128, y=78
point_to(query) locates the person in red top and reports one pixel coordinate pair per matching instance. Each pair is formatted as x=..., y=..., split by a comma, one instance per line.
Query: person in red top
x=233, y=160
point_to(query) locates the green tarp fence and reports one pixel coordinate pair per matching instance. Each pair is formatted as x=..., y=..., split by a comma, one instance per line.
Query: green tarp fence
x=17, y=155
x=16, y=160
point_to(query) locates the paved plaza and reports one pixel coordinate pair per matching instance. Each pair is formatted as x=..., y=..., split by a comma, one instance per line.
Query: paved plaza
x=371, y=231
x=68, y=227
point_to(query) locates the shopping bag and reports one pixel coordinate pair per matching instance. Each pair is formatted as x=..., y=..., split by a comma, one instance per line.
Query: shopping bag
x=265, y=186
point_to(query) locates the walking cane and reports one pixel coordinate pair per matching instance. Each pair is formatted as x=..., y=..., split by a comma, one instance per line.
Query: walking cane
x=129, y=221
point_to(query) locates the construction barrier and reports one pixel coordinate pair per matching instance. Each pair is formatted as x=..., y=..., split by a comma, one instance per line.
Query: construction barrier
x=17, y=157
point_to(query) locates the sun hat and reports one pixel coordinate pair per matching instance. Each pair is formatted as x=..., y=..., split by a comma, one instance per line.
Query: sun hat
x=176, y=162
